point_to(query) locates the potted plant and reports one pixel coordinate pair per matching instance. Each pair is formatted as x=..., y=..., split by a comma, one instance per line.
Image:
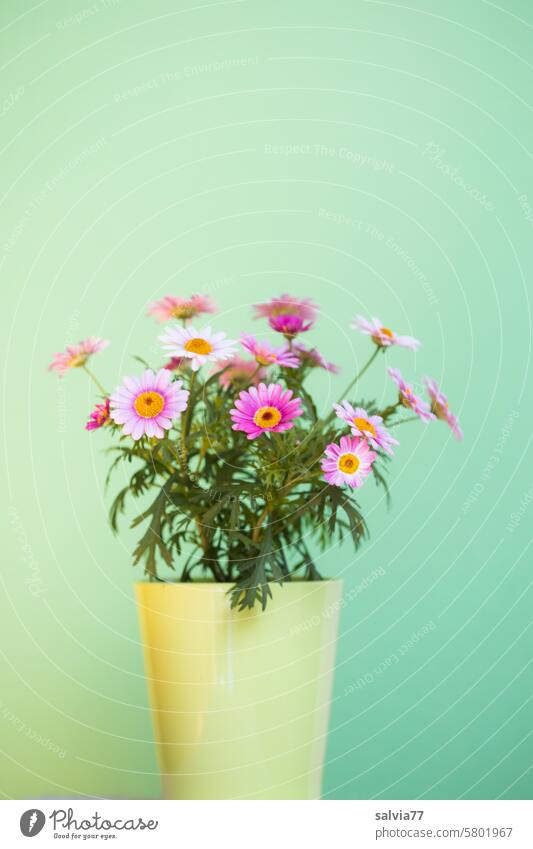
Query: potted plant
x=239, y=476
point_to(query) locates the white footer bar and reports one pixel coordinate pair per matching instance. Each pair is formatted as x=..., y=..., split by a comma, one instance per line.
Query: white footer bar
x=264, y=825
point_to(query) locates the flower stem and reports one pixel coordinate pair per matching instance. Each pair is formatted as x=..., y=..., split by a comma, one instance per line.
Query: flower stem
x=257, y=529
x=95, y=380
x=354, y=381
x=404, y=421
x=255, y=372
x=185, y=426
x=388, y=411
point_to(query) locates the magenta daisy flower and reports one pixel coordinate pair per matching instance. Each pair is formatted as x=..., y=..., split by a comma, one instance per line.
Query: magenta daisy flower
x=76, y=356
x=349, y=463
x=289, y=325
x=313, y=358
x=287, y=305
x=177, y=363
x=266, y=355
x=408, y=397
x=148, y=404
x=240, y=372
x=265, y=409
x=184, y=308
x=200, y=346
x=439, y=406
x=365, y=426
x=99, y=416
x=384, y=337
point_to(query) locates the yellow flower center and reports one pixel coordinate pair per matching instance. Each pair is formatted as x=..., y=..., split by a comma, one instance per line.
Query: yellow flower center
x=384, y=331
x=184, y=311
x=149, y=404
x=348, y=463
x=78, y=360
x=439, y=410
x=406, y=397
x=267, y=417
x=364, y=426
x=266, y=361
x=198, y=346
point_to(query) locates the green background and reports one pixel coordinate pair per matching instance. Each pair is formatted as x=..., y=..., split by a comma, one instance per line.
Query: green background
x=372, y=155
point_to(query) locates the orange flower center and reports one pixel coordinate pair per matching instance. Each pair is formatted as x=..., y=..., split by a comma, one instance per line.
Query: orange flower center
x=264, y=361
x=406, y=397
x=184, y=311
x=364, y=426
x=267, y=417
x=439, y=410
x=198, y=346
x=348, y=463
x=149, y=404
x=378, y=339
x=78, y=360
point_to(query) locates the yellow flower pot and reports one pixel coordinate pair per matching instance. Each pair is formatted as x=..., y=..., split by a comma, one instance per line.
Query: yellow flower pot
x=240, y=701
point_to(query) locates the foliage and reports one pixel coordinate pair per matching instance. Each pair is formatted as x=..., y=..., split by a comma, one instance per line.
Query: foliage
x=248, y=508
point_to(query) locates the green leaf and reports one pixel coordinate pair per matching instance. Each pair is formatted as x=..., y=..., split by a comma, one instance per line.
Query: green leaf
x=253, y=582
x=141, y=361
x=356, y=522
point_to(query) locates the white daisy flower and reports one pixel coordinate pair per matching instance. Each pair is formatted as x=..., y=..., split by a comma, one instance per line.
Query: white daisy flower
x=200, y=346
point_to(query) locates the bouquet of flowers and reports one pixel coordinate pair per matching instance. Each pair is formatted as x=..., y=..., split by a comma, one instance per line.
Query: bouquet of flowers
x=243, y=470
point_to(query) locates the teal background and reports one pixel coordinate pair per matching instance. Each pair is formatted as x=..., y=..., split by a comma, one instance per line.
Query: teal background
x=372, y=155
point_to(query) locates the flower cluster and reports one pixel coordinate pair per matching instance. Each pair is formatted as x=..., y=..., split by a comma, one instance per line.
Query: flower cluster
x=217, y=416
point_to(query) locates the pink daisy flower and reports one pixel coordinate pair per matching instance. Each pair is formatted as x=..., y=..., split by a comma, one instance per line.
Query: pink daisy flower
x=200, y=346
x=289, y=325
x=76, y=356
x=409, y=399
x=313, y=358
x=265, y=355
x=265, y=409
x=287, y=305
x=365, y=426
x=439, y=406
x=99, y=416
x=184, y=308
x=148, y=404
x=240, y=372
x=383, y=336
x=348, y=463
